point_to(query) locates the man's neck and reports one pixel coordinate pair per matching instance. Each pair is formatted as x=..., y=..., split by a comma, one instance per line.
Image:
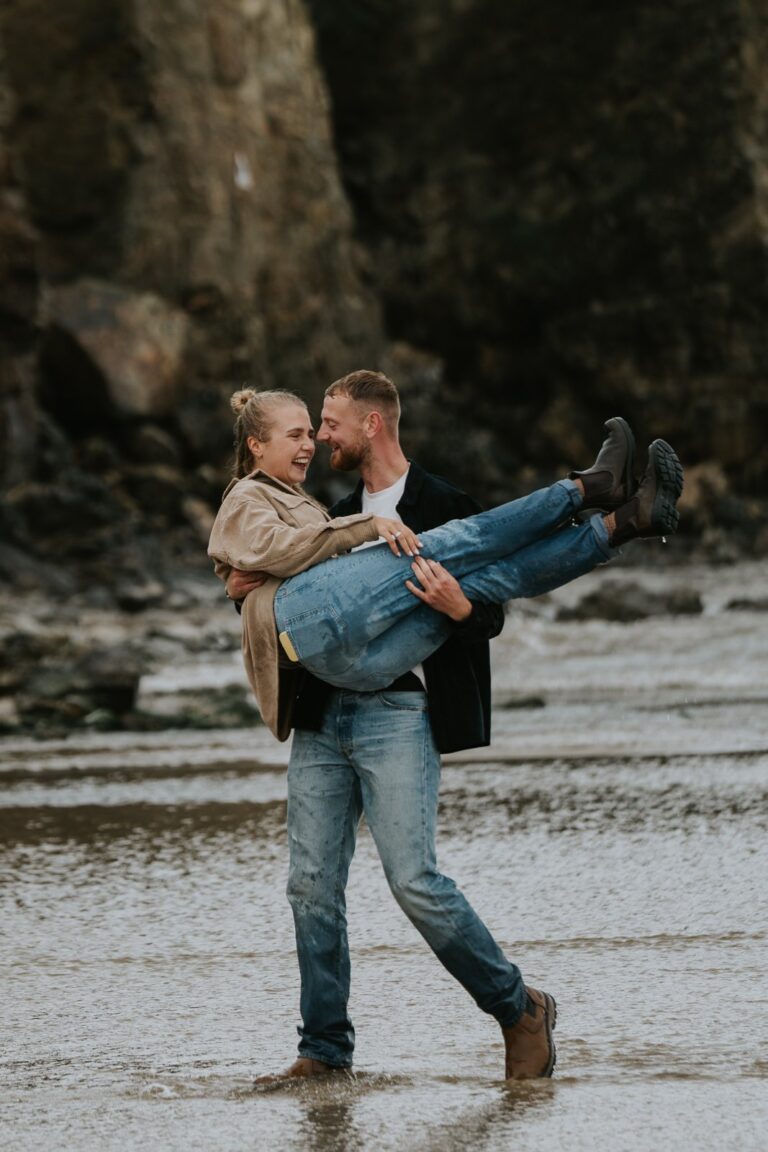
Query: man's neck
x=384, y=468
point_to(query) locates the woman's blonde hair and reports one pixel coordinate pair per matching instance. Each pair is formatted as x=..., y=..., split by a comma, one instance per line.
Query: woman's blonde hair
x=255, y=416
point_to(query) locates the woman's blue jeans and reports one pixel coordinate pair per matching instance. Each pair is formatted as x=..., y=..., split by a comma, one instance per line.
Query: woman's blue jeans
x=354, y=624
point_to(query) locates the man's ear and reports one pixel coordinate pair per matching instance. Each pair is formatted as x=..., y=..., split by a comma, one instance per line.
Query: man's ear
x=372, y=424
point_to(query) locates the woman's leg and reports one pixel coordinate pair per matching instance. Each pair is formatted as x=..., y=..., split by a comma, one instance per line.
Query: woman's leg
x=345, y=602
x=335, y=612
x=568, y=554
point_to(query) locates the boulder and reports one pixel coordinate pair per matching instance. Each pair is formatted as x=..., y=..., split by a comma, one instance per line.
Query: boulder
x=67, y=690
x=151, y=444
x=10, y=721
x=72, y=517
x=625, y=601
x=139, y=595
x=748, y=604
x=128, y=348
x=23, y=571
x=158, y=489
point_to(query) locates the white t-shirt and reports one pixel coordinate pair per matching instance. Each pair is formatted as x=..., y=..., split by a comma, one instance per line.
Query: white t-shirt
x=384, y=503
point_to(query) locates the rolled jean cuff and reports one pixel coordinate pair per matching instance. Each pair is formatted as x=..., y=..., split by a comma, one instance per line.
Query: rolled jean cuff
x=597, y=524
x=574, y=492
x=325, y=1054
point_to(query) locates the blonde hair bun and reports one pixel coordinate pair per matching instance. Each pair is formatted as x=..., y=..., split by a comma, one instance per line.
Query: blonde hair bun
x=239, y=399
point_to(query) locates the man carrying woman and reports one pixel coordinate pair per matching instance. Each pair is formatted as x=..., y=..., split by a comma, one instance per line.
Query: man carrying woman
x=361, y=622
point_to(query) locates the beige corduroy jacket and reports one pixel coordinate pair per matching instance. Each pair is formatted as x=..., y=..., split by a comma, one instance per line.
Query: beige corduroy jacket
x=269, y=526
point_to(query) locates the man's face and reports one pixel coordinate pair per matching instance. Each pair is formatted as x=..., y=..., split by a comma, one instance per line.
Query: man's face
x=341, y=428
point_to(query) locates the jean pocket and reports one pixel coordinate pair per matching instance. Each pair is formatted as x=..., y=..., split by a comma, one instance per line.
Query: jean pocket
x=404, y=701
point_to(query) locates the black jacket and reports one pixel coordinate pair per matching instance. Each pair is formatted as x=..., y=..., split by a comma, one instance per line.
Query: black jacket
x=458, y=675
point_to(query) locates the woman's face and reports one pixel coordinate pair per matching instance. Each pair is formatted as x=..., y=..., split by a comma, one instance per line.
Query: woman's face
x=291, y=445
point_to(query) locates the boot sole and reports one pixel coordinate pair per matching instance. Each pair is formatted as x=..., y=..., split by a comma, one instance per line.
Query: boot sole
x=550, y=1018
x=668, y=473
x=628, y=479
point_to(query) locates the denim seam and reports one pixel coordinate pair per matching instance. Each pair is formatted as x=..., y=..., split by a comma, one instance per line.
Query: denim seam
x=602, y=539
x=339, y=890
x=457, y=927
x=319, y=1049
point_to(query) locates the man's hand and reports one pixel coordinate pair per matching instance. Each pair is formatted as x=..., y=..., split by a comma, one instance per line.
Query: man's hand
x=240, y=583
x=439, y=589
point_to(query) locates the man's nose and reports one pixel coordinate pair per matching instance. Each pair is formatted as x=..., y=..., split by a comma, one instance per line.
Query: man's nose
x=322, y=434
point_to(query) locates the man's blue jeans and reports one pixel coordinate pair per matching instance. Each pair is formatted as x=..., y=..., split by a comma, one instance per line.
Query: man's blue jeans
x=354, y=624
x=375, y=753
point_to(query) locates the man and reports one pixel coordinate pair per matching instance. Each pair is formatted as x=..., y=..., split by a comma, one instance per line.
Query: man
x=379, y=753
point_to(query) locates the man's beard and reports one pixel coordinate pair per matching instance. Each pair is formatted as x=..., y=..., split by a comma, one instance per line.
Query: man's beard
x=349, y=459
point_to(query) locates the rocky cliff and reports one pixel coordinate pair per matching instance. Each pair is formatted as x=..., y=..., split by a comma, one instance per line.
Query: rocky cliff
x=173, y=224
x=567, y=204
x=532, y=214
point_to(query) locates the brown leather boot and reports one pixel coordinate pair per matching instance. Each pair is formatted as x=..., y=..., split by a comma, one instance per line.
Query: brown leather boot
x=302, y=1068
x=530, y=1049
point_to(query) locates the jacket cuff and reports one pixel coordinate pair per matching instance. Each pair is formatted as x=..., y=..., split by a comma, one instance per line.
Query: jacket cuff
x=483, y=623
x=468, y=624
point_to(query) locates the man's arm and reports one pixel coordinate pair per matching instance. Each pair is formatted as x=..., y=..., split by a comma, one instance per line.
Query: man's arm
x=240, y=583
x=434, y=585
x=474, y=620
x=484, y=622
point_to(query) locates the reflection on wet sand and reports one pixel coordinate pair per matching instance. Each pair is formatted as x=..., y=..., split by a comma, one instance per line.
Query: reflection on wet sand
x=138, y=823
x=329, y=1113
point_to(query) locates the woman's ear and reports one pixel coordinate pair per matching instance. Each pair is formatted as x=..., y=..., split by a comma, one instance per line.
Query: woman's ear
x=254, y=447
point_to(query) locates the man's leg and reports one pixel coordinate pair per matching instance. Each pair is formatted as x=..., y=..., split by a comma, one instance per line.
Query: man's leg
x=324, y=806
x=399, y=767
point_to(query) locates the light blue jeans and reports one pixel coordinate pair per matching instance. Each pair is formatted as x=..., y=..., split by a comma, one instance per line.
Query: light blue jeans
x=375, y=753
x=354, y=624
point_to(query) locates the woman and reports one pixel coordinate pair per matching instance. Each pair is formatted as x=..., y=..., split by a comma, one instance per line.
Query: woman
x=355, y=620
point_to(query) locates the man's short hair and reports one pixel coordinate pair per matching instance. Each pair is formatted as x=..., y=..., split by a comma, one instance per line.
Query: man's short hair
x=373, y=389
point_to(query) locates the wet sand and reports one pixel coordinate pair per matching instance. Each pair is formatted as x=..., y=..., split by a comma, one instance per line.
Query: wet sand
x=613, y=837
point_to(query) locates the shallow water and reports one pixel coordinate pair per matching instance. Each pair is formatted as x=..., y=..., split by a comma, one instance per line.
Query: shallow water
x=613, y=837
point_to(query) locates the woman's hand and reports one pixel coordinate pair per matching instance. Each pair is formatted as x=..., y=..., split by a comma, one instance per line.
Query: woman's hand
x=397, y=535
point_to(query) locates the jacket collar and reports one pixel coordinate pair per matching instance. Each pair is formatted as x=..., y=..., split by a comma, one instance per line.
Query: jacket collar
x=264, y=478
x=413, y=484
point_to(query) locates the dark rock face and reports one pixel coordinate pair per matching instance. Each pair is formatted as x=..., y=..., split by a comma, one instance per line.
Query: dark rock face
x=172, y=224
x=548, y=214
x=567, y=204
